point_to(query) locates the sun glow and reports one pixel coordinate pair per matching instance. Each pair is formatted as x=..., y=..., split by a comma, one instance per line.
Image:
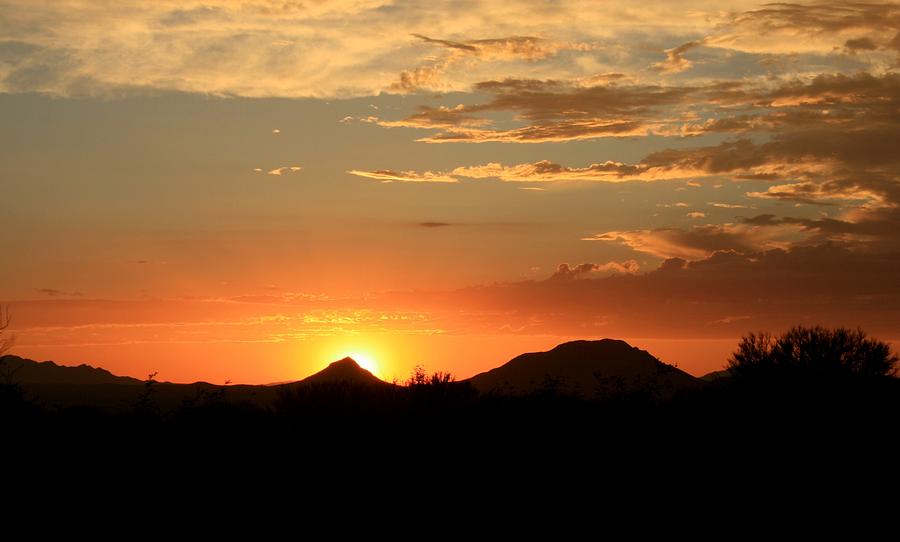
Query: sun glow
x=365, y=361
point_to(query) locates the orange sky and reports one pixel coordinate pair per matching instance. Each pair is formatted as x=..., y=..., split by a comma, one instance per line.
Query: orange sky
x=245, y=191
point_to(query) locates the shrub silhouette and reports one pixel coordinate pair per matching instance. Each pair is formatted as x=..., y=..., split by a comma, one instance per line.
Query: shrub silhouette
x=812, y=353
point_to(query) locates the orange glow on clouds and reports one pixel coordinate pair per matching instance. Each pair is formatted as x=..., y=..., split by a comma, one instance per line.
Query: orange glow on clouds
x=719, y=194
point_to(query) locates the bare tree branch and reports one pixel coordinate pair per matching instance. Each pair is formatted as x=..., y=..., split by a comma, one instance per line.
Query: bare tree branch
x=7, y=341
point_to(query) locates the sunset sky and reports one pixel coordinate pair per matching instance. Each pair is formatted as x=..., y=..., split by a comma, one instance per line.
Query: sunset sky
x=247, y=190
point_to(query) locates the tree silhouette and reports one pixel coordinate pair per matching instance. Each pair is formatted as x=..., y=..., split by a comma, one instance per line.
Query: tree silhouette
x=5, y=342
x=813, y=353
x=6, y=372
x=11, y=395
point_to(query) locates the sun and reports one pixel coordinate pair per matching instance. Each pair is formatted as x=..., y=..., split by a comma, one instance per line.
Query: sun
x=364, y=360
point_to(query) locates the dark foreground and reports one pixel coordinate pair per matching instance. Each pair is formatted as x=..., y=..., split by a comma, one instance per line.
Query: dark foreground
x=449, y=423
x=442, y=448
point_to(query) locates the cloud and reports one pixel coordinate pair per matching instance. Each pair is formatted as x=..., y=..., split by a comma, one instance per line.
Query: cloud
x=566, y=272
x=696, y=214
x=675, y=61
x=387, y=176
x=574, y=130
x=564, y=111
x=445, y=43
x=344, y=48
x=284, y=169
x=785, y=28
x=826, y=139
x=700, y=242
x=434, y=224
x=546, y=171
x=569, y=110
x=193, y=16
x=418, y=79
x=824, y=193
x=739, y=156
x=874, y=229
x=466, y=54
x=53, y=292
x=513, y=47
x=724, y=294
x=860, y=44
x=432, y=117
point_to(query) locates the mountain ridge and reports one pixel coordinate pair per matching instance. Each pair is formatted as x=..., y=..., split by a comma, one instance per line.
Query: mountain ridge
x=28, y=371
x=579, y=367
x=585, y=368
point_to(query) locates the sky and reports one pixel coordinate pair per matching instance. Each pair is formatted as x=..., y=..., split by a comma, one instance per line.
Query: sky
x=247, y=190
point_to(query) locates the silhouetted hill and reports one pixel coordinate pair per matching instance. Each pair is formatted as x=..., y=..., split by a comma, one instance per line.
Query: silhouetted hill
x=344, y=370
x=586, y=368
x=26, y=371
x=715, y=375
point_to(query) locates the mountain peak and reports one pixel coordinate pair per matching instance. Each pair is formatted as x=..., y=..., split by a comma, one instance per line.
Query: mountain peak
x=344, y=370
x=345, y=362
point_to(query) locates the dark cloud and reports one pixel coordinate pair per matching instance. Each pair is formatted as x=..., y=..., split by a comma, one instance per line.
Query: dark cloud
x=565, y=111
x=511, y=47
x=554, y=100
x=53, y=292
x=434, y=224
x=186, y=17
x=817, y=19
x=675, y=61
x=826, y=284
x=446, y=43
x=565, y=271
x=861, y=44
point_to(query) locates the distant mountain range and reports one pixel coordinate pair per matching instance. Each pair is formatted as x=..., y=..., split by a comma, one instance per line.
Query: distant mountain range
x=582, y=368
x=26, y=371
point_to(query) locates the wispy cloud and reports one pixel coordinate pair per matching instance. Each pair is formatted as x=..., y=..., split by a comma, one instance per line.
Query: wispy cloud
x=53, y=292
x=387, y=176
x=675, y=61
x=284, y=169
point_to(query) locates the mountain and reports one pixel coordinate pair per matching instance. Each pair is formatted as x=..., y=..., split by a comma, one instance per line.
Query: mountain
x=586, y=368
x=27, y=372
x=344, y=370
x=716, y=375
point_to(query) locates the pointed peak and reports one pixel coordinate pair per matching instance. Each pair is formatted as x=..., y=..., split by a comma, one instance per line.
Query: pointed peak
x=345, y=362
x=346, y=369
